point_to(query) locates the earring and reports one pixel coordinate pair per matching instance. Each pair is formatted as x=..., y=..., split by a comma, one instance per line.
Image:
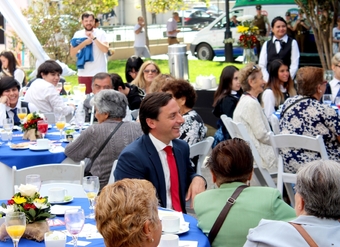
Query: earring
x=152, y=240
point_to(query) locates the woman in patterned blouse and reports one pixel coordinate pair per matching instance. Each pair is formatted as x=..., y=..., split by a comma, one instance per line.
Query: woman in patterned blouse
x=193, y=129
x=305, y=115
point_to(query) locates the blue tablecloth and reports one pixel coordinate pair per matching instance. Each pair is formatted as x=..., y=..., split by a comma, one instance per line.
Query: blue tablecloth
x=194, y=234
x=25, y=157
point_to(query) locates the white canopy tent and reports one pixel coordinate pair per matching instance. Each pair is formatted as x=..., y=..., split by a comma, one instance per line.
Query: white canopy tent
x=20, y=25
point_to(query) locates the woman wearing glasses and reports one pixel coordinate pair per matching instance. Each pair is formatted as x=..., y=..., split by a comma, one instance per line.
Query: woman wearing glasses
x=249, y=112
x=305, y=115
x=147, y=72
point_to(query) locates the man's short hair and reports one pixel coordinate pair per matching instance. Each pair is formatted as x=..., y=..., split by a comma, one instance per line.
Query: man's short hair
x=258, y=7
x=8, y=82
x=150, y=108
x=96, y=20
x=117, y=81
x=175, y=14
x=100, y=76
x=49, y=66
x=87, y=14
x=287, y=13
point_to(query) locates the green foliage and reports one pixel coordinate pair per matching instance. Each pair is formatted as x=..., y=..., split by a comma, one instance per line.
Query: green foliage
x=196, y=68
x=161, y=6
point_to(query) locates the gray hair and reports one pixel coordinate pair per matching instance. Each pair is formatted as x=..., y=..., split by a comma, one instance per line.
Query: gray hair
x=112, y=102
x=318, y=183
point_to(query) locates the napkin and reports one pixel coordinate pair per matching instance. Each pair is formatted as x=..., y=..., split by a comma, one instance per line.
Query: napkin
x=56, y=149
x=187, y=243
x=60, y=209
x=89, y=232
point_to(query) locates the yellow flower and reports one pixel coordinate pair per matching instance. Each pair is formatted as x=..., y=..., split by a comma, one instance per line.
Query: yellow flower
x=40, y=200
x=242, y=29
x=29, y=116
x=19, y=199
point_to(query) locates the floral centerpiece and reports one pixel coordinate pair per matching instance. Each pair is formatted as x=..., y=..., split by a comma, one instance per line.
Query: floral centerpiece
x=248, y=38
x=30, y=126
x=36, y=209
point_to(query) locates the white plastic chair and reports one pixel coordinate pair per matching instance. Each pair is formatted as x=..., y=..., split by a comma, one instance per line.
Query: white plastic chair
x=74, y=190
x=112, y=177
x=50, y=172
x=238, y=130
x=274, y=122
x=134, y=114
x=294, y=141
x=201, y=149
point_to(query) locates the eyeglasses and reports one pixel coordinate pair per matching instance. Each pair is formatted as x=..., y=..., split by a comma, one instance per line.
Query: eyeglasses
x=147, y=71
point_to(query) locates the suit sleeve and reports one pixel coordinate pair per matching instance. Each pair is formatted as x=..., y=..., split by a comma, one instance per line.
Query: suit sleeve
x=128, y=166
x=281, y=210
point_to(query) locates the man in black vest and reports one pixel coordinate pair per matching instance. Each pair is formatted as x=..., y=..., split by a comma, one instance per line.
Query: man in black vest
x=9, y=100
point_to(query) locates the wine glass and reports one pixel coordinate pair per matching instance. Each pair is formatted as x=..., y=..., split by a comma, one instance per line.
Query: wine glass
x=67, y=87
x=82, y=88
x=8, y=124
x=74, y=221
x=15, y=226
x=91, y=187
x=34, y=179
x=79, y=118
x=42, y=127
x=60, y=124
x=22, y=113
x=59, y=86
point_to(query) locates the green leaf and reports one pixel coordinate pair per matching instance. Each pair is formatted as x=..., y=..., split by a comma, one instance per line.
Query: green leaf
x=32, y=212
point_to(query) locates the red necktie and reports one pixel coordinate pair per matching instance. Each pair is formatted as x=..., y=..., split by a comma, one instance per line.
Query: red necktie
x=174, y=185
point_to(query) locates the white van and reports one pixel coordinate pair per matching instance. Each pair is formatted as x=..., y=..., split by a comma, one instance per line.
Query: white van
x=208, y=42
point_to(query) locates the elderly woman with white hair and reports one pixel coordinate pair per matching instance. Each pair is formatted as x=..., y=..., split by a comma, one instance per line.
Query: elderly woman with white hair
x=317, y=207
x=110, y=106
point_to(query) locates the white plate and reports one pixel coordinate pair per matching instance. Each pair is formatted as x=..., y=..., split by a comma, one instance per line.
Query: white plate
x=36, y=148
x=19, y=148
x=183, y=229
x=63, y=202
x=60, y=209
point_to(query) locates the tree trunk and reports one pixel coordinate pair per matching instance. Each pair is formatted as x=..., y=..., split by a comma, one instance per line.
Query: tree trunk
x=142, y=2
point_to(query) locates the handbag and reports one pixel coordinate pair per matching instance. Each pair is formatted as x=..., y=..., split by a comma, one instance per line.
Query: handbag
x=223, y=215
x=304, y=234
x=89, y=162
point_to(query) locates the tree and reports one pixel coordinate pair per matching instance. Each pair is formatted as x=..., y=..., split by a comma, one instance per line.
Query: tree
x=322, y=16
x=54, y=24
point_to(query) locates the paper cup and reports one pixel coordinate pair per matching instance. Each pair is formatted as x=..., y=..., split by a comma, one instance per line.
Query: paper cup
x=56, y=194
x=169, y=240
x=171, y=223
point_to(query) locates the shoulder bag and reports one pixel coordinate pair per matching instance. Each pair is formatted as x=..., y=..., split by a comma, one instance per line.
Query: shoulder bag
x=223, y=215
x=304, y=234
x=89, y=162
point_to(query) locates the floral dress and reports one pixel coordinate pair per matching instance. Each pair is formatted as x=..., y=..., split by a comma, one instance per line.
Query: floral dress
x=193, y=129
x=311, y=118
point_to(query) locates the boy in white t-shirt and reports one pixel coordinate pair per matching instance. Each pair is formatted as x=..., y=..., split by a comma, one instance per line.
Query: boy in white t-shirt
x=141, y=50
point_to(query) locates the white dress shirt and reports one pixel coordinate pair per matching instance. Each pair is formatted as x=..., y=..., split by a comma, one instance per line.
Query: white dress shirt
x=45, y=96
x=162, y=156
x=294, y=58
x=335, y=86
x=4, y=108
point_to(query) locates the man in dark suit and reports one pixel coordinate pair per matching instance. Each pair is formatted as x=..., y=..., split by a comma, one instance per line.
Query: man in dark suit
x=145, y=158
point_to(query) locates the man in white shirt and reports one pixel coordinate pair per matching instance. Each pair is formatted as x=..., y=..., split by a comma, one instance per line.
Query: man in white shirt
x=335, y=82
x=91, y=46
x=171, y=27
x=43, y=92
x=141, y=50
x=9, y=100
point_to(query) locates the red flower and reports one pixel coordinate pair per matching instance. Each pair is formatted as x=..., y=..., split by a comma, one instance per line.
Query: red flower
x=10, y=202
x=28, y=206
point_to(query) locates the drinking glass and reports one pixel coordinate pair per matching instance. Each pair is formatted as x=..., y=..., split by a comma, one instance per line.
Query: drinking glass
x=42, y=127
x=67, y=87
x=8, y=124
x=22, y=113
x=15, y=226
x=327, y=99
x=80, y=119
x=91, y=187
x=59, y=86
x=74, y=221
x=61, y=121
x=337, y=101
x=82, y=88
x=34, y=179
x=76, y=91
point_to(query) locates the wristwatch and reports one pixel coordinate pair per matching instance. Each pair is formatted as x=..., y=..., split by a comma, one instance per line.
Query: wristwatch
x=94, y=38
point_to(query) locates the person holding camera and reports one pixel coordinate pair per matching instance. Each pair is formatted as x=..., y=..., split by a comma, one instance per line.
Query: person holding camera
x=301, y=29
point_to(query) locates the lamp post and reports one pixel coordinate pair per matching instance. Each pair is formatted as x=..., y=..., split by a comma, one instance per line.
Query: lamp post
x=228, y=47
